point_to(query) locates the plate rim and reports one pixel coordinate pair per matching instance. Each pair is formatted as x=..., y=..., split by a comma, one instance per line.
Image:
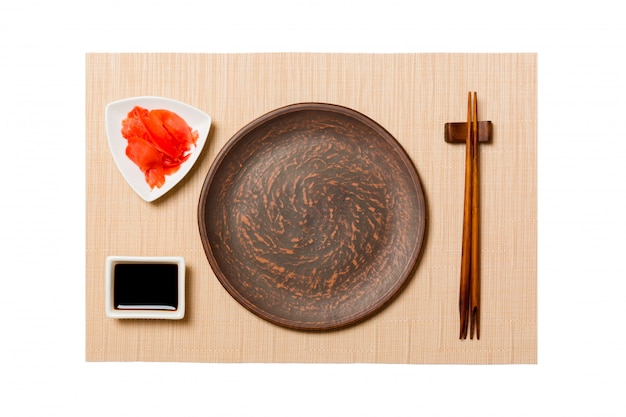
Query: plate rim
x=411, y=169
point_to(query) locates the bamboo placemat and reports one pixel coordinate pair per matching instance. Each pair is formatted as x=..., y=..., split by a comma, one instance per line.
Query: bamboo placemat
x=412, y=96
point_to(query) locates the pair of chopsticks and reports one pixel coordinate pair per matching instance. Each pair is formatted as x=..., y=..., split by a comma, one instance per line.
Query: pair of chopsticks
x=469, y=297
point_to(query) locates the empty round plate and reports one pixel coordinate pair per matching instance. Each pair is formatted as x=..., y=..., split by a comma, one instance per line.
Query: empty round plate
x=312, y=216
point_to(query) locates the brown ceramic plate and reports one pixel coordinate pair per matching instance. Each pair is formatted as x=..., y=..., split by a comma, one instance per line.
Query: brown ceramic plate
x=312, y=216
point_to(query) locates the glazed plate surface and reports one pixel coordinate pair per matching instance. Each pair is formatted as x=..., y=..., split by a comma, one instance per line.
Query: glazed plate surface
x=312, y=216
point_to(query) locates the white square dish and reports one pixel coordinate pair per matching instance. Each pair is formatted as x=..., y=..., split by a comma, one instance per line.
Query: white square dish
x=145, y=287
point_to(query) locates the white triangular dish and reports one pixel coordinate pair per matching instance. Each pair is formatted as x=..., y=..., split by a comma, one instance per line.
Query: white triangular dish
x=117, y=111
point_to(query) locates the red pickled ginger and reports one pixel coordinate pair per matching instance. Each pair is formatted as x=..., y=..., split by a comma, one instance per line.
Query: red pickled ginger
x=159, y=141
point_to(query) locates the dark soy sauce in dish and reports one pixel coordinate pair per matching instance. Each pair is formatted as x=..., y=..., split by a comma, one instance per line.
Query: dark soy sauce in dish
x=145, y=286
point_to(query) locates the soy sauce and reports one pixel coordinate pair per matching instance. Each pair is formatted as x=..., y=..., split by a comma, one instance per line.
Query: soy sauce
x=145, y=286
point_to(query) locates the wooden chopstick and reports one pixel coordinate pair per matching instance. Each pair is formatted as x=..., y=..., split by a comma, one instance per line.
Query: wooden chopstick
x=464, y=291
x=469, y=292
x=475, y=270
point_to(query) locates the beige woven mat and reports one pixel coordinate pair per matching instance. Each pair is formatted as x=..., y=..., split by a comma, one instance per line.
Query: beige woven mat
x=412, y=96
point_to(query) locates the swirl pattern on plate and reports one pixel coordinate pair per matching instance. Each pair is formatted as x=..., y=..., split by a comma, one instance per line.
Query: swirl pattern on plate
x=312, y=216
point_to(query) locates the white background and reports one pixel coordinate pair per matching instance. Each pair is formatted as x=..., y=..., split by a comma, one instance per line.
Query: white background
x=582, y=158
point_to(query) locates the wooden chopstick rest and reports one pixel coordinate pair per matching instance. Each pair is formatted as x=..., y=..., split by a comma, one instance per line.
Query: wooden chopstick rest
x=455, y=132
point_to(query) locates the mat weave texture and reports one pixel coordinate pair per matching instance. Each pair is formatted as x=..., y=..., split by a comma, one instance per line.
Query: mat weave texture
x=410, y=95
